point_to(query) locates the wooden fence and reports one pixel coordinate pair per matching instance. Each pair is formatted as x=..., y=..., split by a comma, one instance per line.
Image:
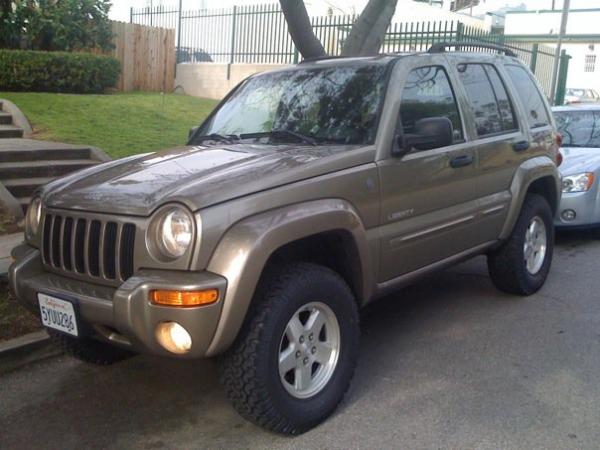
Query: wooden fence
x=147, y=56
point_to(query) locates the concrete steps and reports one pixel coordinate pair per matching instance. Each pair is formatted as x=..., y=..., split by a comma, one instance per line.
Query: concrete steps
x=10, y=131
x=27, y=164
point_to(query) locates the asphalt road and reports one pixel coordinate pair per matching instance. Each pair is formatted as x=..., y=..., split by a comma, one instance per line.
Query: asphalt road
x=448, y=363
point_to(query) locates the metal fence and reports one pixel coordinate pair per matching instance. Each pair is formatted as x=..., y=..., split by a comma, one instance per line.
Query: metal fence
x=259, y=34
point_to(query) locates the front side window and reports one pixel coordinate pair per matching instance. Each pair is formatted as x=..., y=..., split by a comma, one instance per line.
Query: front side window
x=329, y=105
x=427, y=94
x=579, y=128
x=488, y=99
x=537, y=114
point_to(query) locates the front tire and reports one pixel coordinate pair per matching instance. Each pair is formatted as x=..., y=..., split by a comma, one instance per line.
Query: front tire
x=521, y=265
x=295, y=355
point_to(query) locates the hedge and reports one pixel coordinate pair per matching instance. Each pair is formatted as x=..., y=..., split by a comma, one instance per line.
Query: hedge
x=25, y=70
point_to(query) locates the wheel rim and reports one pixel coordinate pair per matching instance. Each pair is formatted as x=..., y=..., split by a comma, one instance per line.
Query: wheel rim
x=535, y=246
x=309, y=350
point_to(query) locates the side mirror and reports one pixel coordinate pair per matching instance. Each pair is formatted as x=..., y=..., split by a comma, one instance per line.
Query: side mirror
x=430, y=133
x=192, y=132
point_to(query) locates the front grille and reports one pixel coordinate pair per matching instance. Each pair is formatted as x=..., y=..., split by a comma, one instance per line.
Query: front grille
x=95, y=248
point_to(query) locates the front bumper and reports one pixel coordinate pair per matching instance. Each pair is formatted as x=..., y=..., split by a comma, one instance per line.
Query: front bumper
x=585, y=205
x=123, y=316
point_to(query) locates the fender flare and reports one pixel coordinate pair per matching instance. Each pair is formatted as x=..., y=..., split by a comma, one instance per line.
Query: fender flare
x=245, y=248
x=527, y=173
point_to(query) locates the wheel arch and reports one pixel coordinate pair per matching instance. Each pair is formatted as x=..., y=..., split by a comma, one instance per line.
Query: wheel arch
x=537, y=175
x=290, y=233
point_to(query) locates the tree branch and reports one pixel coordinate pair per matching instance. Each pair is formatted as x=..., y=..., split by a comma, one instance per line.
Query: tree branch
x=368, y=32
x=300, y=29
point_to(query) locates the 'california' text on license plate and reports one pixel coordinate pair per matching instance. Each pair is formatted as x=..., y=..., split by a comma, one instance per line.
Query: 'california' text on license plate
x=58, y=314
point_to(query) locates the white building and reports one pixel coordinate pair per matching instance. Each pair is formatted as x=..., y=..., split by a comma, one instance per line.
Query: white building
x=582, y=40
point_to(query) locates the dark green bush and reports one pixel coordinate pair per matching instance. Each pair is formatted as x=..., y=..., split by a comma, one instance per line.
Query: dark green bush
x=24, y=70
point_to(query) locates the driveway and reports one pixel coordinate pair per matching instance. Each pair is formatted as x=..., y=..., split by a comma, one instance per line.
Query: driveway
x=448, y=363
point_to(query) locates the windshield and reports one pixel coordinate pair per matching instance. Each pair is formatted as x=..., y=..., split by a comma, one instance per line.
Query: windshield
x=326, y=105
x=579, y=128
x=576, y=92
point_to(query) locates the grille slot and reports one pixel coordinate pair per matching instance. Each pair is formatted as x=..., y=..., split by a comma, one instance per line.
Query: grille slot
x=91, y=248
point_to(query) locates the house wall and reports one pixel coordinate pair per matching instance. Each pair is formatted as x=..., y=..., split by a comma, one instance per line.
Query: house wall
x=209, y=80
x=582, y=39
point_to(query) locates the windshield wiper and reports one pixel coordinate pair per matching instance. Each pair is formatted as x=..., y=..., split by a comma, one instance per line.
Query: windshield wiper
x=280, y=133
x=229, y=139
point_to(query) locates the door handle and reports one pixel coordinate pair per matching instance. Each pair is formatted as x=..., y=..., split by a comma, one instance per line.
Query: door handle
x=461, y=161
x=521, y=146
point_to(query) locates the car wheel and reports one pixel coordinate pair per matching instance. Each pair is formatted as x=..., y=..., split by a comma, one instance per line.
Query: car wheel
x=89, y=350
x=295, y=355
x=521, y=265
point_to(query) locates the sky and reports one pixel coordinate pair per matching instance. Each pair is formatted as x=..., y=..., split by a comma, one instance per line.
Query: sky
x=120, y=8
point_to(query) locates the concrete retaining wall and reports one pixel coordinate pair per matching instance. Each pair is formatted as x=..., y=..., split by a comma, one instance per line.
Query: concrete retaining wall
x=209, y=80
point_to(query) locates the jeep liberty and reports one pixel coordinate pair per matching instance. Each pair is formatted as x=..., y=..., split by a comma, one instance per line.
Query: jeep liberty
x=307, y=193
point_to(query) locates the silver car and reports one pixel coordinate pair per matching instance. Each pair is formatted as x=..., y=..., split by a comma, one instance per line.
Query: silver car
x=576, y=96
x=580, y=130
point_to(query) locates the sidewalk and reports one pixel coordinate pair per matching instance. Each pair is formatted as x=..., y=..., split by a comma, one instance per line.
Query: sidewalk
x=7, y=243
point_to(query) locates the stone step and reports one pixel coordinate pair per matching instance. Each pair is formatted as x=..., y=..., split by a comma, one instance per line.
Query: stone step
x=24, y=187
x=10, y=131
x=5, y=118
x=40, y=153
x=45, y=168
x=24, y=202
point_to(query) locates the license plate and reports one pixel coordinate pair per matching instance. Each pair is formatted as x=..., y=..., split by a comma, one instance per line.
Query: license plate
x=58, y=314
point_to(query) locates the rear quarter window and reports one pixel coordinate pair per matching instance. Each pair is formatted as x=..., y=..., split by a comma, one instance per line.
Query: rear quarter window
x=530, y=96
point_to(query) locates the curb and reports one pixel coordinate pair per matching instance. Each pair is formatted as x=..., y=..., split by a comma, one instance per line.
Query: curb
x=16, y=353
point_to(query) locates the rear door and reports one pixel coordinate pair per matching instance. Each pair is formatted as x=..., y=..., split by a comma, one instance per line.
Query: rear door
x=429, y=200
x=500, y=139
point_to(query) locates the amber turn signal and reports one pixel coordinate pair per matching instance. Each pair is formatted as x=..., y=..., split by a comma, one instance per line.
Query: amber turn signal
x=184, y=298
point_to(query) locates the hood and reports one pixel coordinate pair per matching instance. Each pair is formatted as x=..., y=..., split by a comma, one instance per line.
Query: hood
x=196, y=176
x=579, y=159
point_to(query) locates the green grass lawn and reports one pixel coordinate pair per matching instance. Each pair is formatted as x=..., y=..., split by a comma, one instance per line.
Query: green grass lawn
x=15, y=320
x=120, y=124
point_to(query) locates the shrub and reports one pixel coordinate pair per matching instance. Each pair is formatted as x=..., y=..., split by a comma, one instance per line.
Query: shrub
x=23, y=70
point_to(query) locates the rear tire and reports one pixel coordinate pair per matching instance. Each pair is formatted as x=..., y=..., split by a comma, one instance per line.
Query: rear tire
x=89, y=350
x=521, y=265
x=281, y=327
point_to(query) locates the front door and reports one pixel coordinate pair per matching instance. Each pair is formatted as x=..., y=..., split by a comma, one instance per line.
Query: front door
x=429, y=197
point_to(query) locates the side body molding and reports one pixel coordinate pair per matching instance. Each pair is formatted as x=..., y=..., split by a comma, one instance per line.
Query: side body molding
x=531, y=170
x=246, y=247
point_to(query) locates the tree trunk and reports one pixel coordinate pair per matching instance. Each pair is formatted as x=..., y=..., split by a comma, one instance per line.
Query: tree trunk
x=368, y=33
x=301, y=30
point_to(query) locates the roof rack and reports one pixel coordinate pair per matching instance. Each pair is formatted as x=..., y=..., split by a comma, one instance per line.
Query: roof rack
x=440, y=47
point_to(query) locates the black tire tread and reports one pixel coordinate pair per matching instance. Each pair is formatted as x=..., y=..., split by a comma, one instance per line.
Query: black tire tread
x=238, y=367
x=507, y=275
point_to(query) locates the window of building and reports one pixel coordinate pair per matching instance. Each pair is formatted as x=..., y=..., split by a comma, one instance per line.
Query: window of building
x=590, y=63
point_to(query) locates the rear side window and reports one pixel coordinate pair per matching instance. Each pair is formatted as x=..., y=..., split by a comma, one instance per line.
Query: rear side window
x=428, y=93
x=530, y=96
x=488, y=98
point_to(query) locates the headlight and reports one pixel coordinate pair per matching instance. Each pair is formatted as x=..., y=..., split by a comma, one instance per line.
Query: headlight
x=171, y=234
x=581, y=182
x=32, y=218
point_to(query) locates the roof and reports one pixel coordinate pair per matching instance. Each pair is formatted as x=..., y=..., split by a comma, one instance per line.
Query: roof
x=578, y=107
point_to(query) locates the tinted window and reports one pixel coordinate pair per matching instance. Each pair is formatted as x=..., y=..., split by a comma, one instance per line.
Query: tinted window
x=579, y=128
x=333, y=104
x=488, y=98
x=530, y=96
x=428, y=94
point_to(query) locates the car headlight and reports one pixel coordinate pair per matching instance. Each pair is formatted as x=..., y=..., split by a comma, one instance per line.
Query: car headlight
x=171, y=233
x=581, y=182
x=32, y=218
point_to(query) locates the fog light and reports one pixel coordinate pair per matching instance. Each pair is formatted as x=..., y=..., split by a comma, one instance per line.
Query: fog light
x=568, y=215
x=173, y=337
